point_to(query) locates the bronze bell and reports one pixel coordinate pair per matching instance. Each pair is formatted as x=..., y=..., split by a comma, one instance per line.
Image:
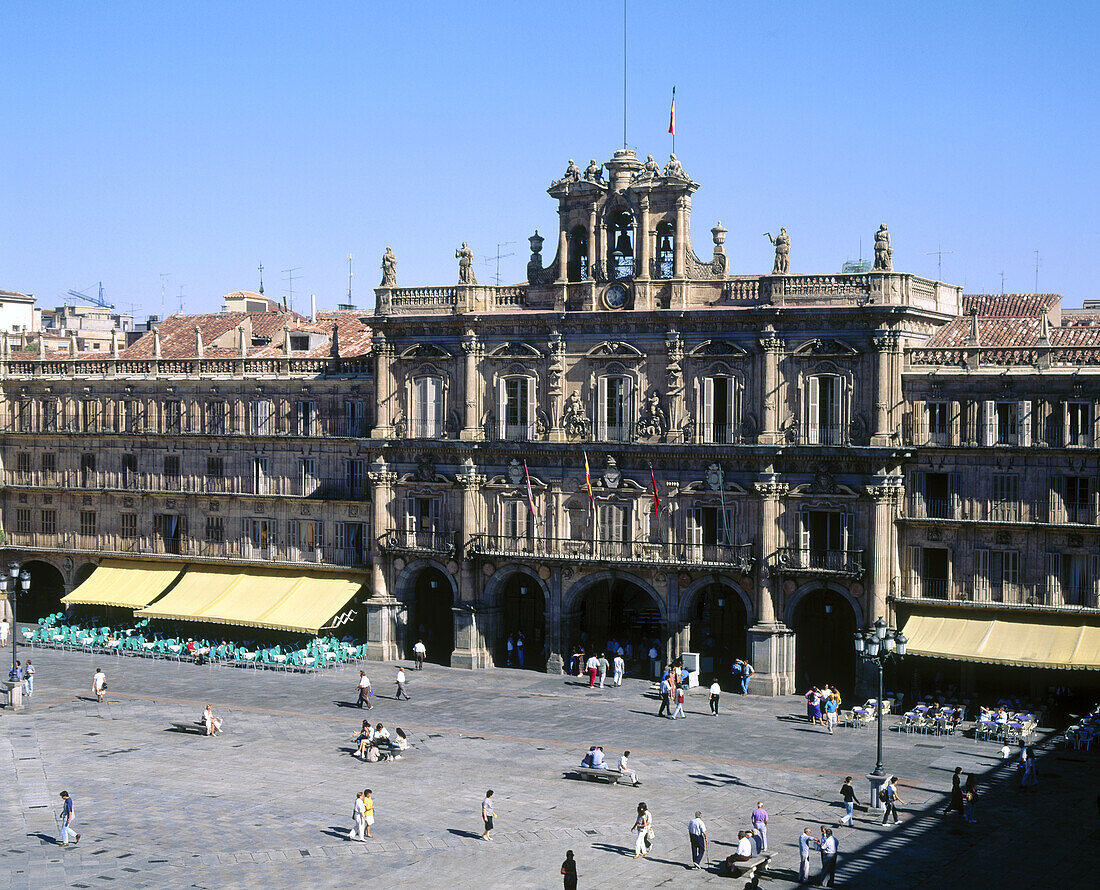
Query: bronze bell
x=622, y=244
x=664, y=244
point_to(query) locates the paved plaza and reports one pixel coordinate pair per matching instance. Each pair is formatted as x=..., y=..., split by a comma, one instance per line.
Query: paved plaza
x=268, y=803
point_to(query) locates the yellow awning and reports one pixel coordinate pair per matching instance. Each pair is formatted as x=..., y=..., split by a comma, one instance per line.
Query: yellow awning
x=1000, y=641
x=127, y=583
x=282, y=599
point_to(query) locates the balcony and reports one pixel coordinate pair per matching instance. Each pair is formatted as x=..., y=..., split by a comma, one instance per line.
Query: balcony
x=736, y=557
x=1053, y=593
x=848, y=563
x=824, y=435
x=718, y=434
x=403, y=541
x=1044, y=512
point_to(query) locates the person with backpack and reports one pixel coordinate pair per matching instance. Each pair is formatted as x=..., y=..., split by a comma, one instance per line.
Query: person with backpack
x=889, y=796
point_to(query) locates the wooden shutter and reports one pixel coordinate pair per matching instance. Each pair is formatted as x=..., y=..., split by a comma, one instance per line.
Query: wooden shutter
x=1023, y=424
x=707, y=417
x=838, y=435
x=813, y=416
x=804, y=537
x=848, y=533
x=920, y=423
x=502, y=407
x=955, y=423
x=1053, y=567
x=990, y=426
x=981, y=575
x=529, y=420
x=913, y=554
x=733, y=409
x=1057, y=499
x=954, y=494
x=601, y=409
x=920, y=508
x=1094, y=580
x=627, y=407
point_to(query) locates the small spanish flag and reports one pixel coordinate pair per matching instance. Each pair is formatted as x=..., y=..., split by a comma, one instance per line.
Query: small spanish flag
x=530, y=494
x=656, y=497
x=588, y=477
x=672, y=114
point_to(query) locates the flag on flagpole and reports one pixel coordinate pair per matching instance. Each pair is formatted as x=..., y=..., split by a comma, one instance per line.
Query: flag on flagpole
x=672, y=114
x=588, y=477
x=530, y=495
x=656, y=497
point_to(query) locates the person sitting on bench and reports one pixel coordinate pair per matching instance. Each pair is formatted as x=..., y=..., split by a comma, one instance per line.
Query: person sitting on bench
x=587, y=759
x=363, y=739
x=402, y=742
x=212, y=724
x=598, y=761
x=624, y=768
x=744, y=847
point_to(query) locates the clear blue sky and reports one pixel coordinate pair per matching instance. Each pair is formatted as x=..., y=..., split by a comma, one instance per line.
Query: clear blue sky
x=201, y=138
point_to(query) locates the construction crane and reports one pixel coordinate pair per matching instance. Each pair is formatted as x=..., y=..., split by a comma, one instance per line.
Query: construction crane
x=95, y=301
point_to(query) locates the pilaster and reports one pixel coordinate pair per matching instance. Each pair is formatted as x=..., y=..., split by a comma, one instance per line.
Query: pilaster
x=885, y=343
x=384, y=387
x=674, y=379
x=886, y=493
x=472, y=350
x=772, y=347
x=770, y=641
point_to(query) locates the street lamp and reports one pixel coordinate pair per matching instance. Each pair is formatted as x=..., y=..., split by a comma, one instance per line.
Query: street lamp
x=11, y=584
x=877, y=645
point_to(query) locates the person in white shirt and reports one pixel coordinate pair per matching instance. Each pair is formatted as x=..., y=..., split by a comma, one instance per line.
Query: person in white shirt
x=5, y=628
x=744, y=847
x=592, y=666
x=624, y=768
x=697, y=835
x=828, y=847
x=99, y=684
x=1006, y=751
x=620, y=668
x=598, y=759
x=401, y=691
x=358, y=819
x=419, y=653
x=364, y=691
x=715, y=692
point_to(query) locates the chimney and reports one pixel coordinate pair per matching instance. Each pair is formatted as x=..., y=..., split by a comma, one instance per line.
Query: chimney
x=1044, y=330
x=72, y=345
x=313, y=308
x=114, y=342
x=286, y=339
x=243, y=340
x=156, y=343
x=974, y=339
x=198, y=342
x=41, y=346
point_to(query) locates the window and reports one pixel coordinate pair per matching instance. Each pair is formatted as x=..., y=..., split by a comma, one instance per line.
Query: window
x=938, y=498
x=214, y=415
x=516, y=527
x=127, y=525
x=621, y=254
x=49, y=415
x=215, y=467
x=89, y=415
x=214, y=533
x=49, y=464
x=23, y=521
x=173, y=416
x=354, y=477
x=128, y=414
x=48, y=522
x=23, y=465
x=1006, y=498
x=710, y=531
x=260, y=480
x=614, y=409
x=87, y=470
x=1070, y=579
x=24, y=416
x=578, y=254
x=168, y=529
x=1007, y=423
x=260, y=532
x=427, y=408
x=308, y=483
x=299, y=343
x=1078, y=425
x=305, y=534
x=516, y=396
x=997, y=576
x=824, y=411
x=305, y=419
x=129, y=471
x=613, y=538
x=261, y=414
x=355, y=418
x=350, y=543
x=720, y=415
x=172, y=471
x=422, y=521
x=1071, y=500
x=939, y=423
x=666, y=252
x=826, y=539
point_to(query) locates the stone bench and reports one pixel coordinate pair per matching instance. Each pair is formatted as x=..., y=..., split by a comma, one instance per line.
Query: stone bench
x=752, y=869
x=590, y=774
x=183, y=726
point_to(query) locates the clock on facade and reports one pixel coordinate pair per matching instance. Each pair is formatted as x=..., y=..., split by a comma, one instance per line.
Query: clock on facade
x=615, y=297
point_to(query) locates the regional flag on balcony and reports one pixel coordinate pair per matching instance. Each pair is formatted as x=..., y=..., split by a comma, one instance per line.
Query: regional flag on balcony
x=588, y=477
x=530, y=495
x=656, y=497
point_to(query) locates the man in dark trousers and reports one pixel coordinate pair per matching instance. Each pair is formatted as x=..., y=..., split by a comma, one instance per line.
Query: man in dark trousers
x=666, y=690
x=956, y=793
x=569, y=870
x=697, y=835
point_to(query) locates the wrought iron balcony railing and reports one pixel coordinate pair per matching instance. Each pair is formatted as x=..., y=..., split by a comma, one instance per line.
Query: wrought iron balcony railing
x=818, y=562
x=737, y=557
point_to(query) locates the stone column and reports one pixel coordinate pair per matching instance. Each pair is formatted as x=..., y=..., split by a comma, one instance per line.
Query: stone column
x=773, y=348
x=385, y=397
x=771, y=643
x=642, y=247
x=555, y=375
x=563, y=248
x=473, y=621
x=380, y=606
x=681, y=239
x=472, y=350
x=674, y=347
x=591, y=242
x=885, y=342
x=555, y=660
x=885, y=494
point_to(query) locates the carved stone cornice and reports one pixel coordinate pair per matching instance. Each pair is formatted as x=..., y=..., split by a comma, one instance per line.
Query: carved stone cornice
x=888, y=492
x=770, y=342
x=382, y=477
x=885, y=340
x=771, y=489
x=470, y=480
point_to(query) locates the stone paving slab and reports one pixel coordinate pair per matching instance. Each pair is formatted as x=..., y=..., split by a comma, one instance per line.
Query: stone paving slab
x=267, y=804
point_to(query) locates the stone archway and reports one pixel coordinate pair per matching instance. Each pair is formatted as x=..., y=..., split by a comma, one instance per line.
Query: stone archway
x=824, y=617
x=44, y=596
x=82, y=573
x=521, y=601
x=429, y=595
x=718, y=614
x=621, y=608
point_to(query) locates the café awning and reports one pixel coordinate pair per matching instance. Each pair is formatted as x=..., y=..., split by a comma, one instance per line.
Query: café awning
x=1002, y=641
x=129, y=584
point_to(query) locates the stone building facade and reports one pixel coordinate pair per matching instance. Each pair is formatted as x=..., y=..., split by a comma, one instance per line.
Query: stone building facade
x=634, y=444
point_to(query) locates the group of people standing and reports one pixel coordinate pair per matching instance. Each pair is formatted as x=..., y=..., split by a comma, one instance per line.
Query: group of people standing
x=822, y=706
x=24, y=675
x=513, y=648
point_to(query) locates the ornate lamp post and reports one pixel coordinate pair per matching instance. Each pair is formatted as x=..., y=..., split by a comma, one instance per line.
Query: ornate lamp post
x=11, y=584
x=877, y=645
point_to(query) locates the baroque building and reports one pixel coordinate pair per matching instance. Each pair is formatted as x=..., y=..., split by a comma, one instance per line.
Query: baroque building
x=634, y=444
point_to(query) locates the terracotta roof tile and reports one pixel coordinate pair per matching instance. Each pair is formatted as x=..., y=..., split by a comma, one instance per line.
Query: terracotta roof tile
x=1009, y=305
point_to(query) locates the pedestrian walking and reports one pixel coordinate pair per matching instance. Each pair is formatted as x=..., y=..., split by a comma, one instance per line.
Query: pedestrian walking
x=402, y=692
x=828, y=846
x=747, y=671
x=358, y=819
x=5, y=627
x=760, y=823
x=679, y=712
x=592, y=666
x=603, y=665
x=66, y=818
x=830, y=713
x=510, y=647
x=889, y=796
x=666, y=690
x=99, y=684
x=849, y=794
x=368, y=810
x=619, y=666
x=715, y=694
x=419, y=654
x=28, y=678
x=697, y=835
x=519, y=649
x=365, y=691
x=970, y=799
x=1030, y=778
x=805, y=845
x=487, y=814
x=956, y=802
x=569, y=870
x=643, y=824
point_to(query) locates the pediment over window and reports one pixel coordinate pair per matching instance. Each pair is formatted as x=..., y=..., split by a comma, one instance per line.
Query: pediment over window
x=425, y=350
x=825, y=346
x=614, y=349
x=515, y=350
x=718, y=349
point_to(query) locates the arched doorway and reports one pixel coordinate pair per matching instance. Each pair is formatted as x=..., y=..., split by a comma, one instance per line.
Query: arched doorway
x=44, y=597
x=523, y=611
x=718, y=624
x=430, y=616
x=618, y=610
x=824, y=622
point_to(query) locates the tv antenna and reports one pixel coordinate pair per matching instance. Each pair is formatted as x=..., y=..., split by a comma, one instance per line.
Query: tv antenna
x=350, y=276
x=1036, y=272
x=261, y=267
x=1002, y=282
x=500, y=256
x=181, y=299
x=939, y=253
x=164, y=276
x=291, y=278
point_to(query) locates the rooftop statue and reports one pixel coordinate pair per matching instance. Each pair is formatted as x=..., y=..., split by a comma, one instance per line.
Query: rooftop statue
x=884, y=253
x=465, y=265
x=782, y=243
x=389, y=269
x=673, y=168
x=572, y=173
x=593, y=172
x=651, y=168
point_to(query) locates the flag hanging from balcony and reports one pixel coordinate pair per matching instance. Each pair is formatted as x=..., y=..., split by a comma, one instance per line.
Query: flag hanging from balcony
x=672, y=114
x=530, y=495
x=656, y=497
x=588, y=477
